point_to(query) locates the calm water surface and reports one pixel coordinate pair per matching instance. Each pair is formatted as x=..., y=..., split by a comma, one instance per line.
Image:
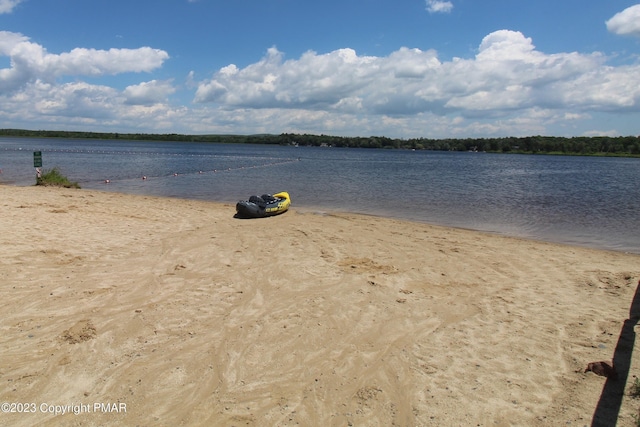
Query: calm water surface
x=585, y=201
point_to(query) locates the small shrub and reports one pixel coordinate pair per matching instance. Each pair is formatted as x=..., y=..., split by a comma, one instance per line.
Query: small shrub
x=634, y=389
x=53, y=178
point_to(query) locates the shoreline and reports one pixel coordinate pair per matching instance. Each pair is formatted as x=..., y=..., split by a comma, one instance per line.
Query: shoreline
x=189, y=316
x=382, y=215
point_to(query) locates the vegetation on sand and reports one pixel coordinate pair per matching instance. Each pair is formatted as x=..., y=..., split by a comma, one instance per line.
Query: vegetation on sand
x=634, y=389
x=53, y=178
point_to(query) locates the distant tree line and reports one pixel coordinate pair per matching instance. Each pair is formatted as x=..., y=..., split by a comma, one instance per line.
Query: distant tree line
x=581, y=145
x=601, y=145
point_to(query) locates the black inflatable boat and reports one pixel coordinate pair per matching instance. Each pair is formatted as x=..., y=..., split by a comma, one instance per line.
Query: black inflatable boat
x=265, y=205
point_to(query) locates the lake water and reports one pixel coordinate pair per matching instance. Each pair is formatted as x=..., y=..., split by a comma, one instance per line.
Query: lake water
x=585, y=201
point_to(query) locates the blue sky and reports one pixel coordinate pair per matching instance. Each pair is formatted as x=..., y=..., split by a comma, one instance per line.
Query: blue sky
x=399, y=68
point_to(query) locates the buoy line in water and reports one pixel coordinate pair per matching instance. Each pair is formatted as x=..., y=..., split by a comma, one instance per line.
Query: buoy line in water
x=270, y=161
x=199, y=172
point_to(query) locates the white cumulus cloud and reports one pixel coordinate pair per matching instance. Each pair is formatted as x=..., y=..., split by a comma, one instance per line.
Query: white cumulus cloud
x=313, y=80
x=7, y=6
x=507, y=74
x=438, y=6
x=78, y=99
x=148, y=93
x=31, y=61
x=507, y=88
x=626, y=23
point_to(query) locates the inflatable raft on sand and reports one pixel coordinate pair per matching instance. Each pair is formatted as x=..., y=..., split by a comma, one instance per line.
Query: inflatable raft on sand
x=265, y=205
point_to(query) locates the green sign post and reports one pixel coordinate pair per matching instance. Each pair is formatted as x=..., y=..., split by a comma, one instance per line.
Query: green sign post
x=37, y=159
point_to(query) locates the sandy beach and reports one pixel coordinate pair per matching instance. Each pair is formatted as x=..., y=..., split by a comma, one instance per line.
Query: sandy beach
x=133, y=310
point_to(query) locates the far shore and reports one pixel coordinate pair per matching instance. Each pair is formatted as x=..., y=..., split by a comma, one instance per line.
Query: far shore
x=601, y=146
